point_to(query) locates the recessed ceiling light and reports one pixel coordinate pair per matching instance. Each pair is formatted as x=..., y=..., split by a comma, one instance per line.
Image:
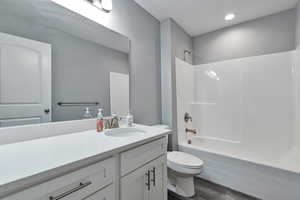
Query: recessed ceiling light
x=229, y=16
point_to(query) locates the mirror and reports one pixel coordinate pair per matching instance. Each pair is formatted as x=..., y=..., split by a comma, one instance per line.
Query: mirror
x=55, y=64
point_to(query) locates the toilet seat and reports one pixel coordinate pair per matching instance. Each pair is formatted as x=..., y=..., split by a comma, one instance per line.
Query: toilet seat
x=185, y=160
x=184, y=163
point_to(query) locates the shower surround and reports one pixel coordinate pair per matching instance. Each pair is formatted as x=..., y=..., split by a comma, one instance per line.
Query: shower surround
x=246, y=112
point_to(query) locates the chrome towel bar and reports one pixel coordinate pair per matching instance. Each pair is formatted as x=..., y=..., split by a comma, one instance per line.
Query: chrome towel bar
x=78, y=103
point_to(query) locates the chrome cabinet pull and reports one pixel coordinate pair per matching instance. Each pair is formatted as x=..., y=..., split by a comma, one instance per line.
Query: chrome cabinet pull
x=148, y=180
x=81, y=186
x=154, y=176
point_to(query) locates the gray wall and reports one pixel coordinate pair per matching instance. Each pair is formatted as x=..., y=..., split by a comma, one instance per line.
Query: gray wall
x=143, y=30
x=82, y=73
x=181, y=41
x=271, y=34
x=80, y=69
x=174, y=40
x=297, y=42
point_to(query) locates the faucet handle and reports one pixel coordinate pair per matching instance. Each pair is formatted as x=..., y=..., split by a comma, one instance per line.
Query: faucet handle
x=187, y=117
x=107, y=122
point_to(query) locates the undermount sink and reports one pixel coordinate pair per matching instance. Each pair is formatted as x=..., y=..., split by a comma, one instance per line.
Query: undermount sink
x=124, y=132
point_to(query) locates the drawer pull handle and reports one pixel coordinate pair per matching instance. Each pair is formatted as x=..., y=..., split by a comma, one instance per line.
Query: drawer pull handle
x=154, y=176
x=148, y=180
x=81, y=186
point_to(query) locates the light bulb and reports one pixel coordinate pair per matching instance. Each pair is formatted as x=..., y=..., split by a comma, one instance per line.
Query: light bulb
x=229, y=16
x=97, y=3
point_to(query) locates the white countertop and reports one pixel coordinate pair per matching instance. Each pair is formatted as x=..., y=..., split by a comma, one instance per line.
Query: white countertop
x=26, y=159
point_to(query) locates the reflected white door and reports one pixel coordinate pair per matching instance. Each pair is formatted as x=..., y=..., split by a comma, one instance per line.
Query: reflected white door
x=25, y=81
x=119, y=93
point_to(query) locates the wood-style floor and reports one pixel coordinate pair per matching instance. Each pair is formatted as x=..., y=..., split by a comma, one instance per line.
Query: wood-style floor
x=209, y=191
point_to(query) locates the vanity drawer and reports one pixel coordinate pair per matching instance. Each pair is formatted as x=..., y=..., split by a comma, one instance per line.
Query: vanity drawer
x=139, y=156
x=104, y=194
x=73, y=186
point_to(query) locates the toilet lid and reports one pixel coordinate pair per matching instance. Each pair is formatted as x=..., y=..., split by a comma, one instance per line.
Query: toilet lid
x=184, y=159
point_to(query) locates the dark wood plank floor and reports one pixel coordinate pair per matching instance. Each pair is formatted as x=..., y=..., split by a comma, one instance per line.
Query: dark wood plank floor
x=209, y=191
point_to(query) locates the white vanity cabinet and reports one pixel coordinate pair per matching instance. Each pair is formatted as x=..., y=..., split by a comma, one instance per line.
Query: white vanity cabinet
x=158, y=179
x=138, y=173
x=148, y=180
x=73, y=186
x=104, y=194
x=146, y=183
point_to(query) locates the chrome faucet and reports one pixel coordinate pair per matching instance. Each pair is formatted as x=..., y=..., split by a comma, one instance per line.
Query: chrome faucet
x=111, y=122
x=115, y=121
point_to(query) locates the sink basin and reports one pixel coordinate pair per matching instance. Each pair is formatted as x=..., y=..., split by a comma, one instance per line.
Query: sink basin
x=124, y=132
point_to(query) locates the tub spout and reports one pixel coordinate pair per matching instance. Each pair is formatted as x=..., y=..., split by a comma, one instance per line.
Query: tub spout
x=194, y=131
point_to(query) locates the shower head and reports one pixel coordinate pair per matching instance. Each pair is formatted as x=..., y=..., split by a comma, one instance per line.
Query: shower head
x=186, y=52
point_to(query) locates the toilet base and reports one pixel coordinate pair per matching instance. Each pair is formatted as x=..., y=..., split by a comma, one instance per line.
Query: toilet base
x=181, y=185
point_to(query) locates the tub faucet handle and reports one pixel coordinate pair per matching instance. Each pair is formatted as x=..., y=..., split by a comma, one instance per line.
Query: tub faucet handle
x=187, y=117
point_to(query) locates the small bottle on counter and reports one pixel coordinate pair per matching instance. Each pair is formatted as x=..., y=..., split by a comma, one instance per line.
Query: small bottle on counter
x=129, y=120
x=100, y=121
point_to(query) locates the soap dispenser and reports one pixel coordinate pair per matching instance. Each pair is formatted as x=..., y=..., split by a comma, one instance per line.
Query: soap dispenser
x=129, y=120
x=100, y=121
x=87, y=114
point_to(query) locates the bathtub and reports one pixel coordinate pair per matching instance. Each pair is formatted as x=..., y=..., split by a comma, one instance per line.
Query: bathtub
x=265, y=175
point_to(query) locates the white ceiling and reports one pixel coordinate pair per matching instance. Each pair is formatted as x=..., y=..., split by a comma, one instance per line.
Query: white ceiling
x=202, y=16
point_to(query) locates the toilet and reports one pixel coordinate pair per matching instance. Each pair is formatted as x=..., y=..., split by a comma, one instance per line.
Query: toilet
x=182, y=168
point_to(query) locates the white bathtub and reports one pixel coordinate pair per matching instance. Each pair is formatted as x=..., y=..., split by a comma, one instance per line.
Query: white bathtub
x=247, y=115
x=281, y=158
x=263, y=175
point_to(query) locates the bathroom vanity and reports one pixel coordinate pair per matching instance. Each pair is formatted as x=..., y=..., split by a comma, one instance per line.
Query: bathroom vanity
x=124, y=163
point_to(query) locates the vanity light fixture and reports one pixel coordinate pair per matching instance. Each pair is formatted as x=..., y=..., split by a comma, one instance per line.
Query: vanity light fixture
x=229, y=16
x=87, y=9
x=105, y=5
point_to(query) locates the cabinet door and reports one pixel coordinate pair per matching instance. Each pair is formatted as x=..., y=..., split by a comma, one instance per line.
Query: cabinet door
x=135, y=185
x=158, y=174
x=104, y=194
